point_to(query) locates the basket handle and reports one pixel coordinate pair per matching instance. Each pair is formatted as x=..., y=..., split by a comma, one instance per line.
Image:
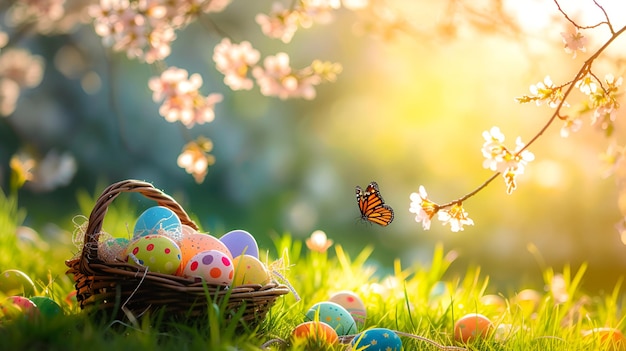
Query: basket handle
x=96, y=218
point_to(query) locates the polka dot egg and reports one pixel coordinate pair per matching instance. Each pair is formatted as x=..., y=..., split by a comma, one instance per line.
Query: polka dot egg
x=193, y=244
x=334, y=315
x=352, y=303
x=157, y=252
x=215, y=267
x=16, y=306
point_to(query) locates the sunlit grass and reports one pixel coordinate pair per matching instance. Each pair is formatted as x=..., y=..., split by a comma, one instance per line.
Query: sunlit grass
x=423, y=300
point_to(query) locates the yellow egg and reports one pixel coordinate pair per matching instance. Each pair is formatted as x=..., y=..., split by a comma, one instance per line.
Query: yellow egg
x=14, y=282
x=249, y=270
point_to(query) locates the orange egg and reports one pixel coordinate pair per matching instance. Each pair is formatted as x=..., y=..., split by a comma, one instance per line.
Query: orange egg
x=471, y=326
x=193, y=244
x=315, y=331
x=611, y=339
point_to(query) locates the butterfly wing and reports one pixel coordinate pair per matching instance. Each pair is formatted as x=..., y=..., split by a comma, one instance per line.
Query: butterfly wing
x=372, y=205
x=382, y=215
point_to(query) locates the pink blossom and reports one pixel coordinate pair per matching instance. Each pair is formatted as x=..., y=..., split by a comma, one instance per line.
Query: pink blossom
x=276, y=78
x=423, y=208
x=195, y=158
x=234, y=61
x=22, y=67
x=280, y=23
x=318, y=10
x=141, y=29
x=181, y=98
x=9, y=93
x=319, y=242
x=587, y=85
x=570, y=126
x=213, y=5
x=574, y=42
x=456, y=217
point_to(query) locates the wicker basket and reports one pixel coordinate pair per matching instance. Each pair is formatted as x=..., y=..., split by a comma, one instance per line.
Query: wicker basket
x=120, y=288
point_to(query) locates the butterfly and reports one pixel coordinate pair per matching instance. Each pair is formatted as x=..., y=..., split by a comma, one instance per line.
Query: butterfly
x=372, y=205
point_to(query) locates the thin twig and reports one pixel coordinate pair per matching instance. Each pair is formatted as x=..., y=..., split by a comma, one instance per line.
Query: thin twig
x=432, y=342
x=584, y=27
x=474, y=192
x=586, y=67
x=583, y=70
x=608, y=21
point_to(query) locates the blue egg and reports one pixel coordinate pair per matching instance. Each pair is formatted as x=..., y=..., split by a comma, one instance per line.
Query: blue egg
x=334, y=315
x=240, y=242
x=377, y=339
x=158, y=220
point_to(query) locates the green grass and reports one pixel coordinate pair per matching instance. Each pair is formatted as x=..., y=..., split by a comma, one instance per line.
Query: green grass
x=421, y=300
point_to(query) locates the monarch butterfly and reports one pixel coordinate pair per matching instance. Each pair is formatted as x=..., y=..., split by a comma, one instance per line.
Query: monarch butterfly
x=372, y=205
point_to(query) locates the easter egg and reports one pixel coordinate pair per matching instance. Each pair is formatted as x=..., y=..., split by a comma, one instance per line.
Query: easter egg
x=495, y=301
x=528, y=300
x=334, y=315
x=611, y=339
x=471, y=326
x=504, y=331
x=377, y=339
x=16, y=306
x=352, y=303
x=240, y=242
x=193, y=244
x=439, y=290
x=249, y=270
x=14, y=282
x=213, y=266
x=157, y=252
x=47, y=306
x=158, y=220
x=315, y=331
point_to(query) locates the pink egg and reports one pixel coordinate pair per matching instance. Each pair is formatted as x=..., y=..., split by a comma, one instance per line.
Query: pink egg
x=215, y=267
x=15, y=306
x=352, y=303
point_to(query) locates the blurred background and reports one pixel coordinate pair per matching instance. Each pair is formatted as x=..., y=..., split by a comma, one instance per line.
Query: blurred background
x=419, y=85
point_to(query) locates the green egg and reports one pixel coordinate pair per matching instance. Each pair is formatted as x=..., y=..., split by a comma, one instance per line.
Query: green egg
x=14, y=282
x=47, y=306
